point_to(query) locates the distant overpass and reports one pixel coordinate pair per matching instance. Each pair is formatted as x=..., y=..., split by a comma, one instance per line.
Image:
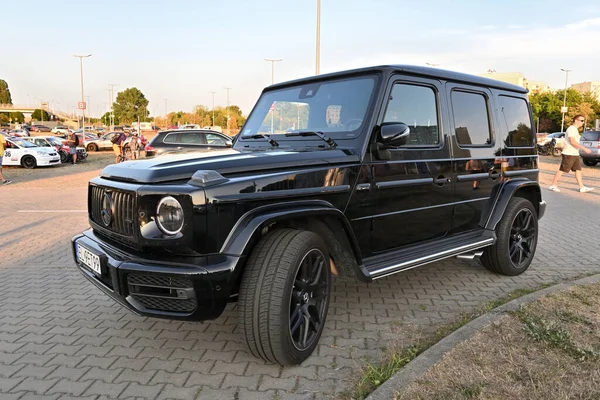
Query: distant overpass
x=7, y=108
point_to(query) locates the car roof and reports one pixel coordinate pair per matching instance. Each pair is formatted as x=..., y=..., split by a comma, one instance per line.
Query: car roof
x=192, y=130
x=413, y=70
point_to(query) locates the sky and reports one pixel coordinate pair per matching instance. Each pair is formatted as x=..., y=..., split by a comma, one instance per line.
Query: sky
x=181, y=50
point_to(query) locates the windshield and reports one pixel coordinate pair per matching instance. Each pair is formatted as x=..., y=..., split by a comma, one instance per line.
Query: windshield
x=23, y=143
x=55, y=141
x=337, y=107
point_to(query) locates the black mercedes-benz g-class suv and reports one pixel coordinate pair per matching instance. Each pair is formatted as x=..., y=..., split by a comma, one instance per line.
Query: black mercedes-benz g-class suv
x=361, y=173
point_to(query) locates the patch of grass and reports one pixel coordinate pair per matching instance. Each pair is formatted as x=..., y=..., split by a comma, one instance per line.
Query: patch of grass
x=471, y=391
x=581, y=297
x=375, y=374
x=552, y=334
x=568, y=316
x=423, y=307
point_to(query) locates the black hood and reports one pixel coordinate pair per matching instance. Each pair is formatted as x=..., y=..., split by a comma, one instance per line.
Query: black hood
x=182, y=166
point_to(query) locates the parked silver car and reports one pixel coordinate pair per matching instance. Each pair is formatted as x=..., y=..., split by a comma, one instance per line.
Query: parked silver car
x=101, y=143
x=591, y=140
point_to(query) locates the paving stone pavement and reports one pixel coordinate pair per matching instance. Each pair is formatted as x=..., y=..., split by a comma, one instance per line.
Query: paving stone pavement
x=61, y=338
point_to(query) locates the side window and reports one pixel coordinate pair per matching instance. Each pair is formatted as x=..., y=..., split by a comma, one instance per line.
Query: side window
x=170, y=138
x=518, y=124
x=213, y=139
x=471, y=119
x=415, y=106
x=191, y=138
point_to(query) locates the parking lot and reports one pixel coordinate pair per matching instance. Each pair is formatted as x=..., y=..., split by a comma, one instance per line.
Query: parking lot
x=62, y=338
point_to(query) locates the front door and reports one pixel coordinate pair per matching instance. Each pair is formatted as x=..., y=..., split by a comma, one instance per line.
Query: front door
x=413, y=188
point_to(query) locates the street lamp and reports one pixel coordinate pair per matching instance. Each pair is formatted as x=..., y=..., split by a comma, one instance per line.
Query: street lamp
x=213, y=119
x=564, y=107
x=273, y=68
x=81, y=75
x=318, y=47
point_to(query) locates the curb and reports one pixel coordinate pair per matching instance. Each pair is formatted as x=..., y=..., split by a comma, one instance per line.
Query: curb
x=426, y=360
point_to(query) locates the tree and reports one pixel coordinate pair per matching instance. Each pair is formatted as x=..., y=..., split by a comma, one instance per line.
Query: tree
x=17, y=117
x=40, y=115
x=5, y=97
x=106, y=119
x=4, y=118
x=131, y=105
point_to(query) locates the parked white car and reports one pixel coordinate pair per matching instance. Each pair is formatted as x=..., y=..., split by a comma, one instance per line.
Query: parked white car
x=60, y=130
x=19, y=151
x=559, y=137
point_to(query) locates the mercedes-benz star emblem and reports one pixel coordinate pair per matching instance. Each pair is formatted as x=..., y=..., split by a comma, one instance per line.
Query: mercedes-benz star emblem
x=107, y=209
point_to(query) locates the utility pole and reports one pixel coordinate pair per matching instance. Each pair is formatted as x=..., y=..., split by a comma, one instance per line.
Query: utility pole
x=213, y=110
x=227, y=108
x=273, y=68
x=562, y=124
x=111, y=100
x=82, y=96
x=318, y=50
x=88, y=108
x=166, y=115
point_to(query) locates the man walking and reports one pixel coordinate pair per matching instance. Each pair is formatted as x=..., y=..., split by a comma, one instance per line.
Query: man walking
x=2, y=147
x=135, y=144
x=118, y=140
x=570, y=156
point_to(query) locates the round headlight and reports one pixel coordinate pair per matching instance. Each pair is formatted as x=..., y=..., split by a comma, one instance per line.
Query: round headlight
x=169, y=216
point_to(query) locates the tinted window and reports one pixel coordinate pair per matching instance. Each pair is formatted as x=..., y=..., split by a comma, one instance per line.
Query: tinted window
x=216, y=140
x=416, y=107
x=518, y=124
x=191, y=138
x=170, y=138
x=593, y=136
x=471, y=120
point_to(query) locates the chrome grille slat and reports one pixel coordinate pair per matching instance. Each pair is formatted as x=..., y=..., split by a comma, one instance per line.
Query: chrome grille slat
x=123, y=221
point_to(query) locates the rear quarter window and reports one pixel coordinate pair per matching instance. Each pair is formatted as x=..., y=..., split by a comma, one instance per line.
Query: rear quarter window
x=515, y=113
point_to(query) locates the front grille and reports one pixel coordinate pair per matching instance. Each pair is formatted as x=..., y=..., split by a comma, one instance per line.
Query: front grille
x=162, y=292
x=169, y=305
x=123, y=211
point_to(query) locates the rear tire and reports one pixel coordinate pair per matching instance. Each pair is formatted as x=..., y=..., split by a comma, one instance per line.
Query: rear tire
x=590, y=163
x=284, y=296
x=92, y=147
x=517, y=235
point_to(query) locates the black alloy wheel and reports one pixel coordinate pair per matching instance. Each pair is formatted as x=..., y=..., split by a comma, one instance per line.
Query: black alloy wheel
x=523, y=235
x=29, y=162
x=308, y=303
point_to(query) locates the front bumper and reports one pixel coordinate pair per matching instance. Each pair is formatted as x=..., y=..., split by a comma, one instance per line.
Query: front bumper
x=196, y=291
x=46, y=161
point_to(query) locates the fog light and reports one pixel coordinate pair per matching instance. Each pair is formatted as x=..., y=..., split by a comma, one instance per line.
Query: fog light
x=169, y=215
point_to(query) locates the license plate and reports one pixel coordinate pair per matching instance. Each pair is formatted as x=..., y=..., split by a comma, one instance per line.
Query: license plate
x=89, y=259
x=588, y=144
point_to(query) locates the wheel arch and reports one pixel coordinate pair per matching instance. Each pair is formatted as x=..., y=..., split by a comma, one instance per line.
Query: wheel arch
x=501, y=196
x=316, y=216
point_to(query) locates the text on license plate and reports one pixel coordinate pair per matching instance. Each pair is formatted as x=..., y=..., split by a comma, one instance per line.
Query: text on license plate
x=89, y=259
x=588, y=144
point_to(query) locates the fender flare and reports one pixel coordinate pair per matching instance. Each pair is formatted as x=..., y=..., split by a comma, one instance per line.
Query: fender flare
x=502, y=194
x=251, y=223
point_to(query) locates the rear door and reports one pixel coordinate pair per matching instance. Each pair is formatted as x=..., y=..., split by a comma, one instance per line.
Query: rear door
x=413, y=188
x=477, y=153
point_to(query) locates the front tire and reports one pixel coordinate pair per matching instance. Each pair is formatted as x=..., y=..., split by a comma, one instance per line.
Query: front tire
x=284, y=296
x=28, y=162
x=517, y=235
x=92, y=147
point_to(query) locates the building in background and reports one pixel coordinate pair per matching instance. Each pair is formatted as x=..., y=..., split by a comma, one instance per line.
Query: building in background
x=592, y=87
x=517, y=78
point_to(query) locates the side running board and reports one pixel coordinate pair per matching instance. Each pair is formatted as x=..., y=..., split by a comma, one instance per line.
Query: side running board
x=401, y=260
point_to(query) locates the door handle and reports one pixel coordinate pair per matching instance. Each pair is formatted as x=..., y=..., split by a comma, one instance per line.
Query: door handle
x=440, y=180
x=179, y=148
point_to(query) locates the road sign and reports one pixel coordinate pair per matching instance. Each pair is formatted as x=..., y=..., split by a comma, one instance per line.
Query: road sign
x=564, y=110
x=81, y=105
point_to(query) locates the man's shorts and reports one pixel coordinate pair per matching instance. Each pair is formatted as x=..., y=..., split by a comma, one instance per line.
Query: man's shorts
x=570, y=163
x=117, y=149
x=72, y=150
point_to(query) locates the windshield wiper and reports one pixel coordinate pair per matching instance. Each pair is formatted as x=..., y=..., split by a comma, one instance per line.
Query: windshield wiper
x=272, y=142
x=319, y=134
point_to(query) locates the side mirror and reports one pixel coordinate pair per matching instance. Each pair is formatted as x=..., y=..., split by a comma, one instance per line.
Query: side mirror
x=393, y=133
x=229, y=143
